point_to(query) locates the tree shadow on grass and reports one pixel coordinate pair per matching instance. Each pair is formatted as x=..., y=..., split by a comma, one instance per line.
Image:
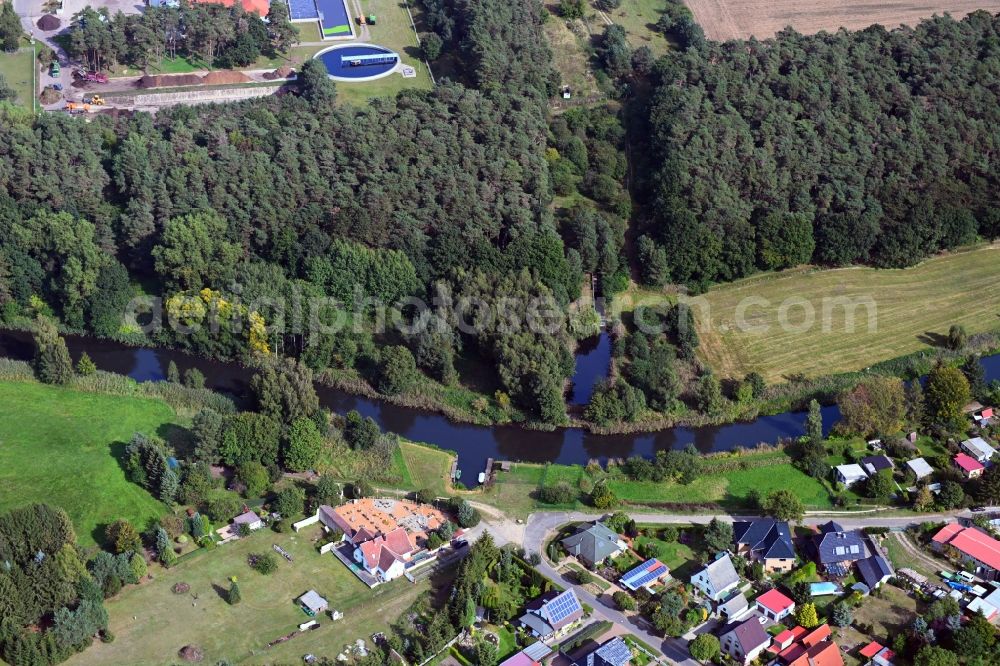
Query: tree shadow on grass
x=223, y=592
x=933, y=339
x=178, y=437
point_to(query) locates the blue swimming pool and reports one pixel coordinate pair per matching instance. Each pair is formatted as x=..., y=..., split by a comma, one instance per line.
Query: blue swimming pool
x=358, y=61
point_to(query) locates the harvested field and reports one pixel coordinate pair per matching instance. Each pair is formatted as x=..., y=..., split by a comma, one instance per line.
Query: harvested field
x=819, y=322
x=739, y=19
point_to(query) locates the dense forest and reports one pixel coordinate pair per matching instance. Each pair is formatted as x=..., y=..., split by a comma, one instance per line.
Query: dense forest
x=853, y=147
x=295, y=196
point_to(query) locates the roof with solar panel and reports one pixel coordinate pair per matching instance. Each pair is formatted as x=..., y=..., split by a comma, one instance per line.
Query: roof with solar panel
x=645, y=575
x=562, y=610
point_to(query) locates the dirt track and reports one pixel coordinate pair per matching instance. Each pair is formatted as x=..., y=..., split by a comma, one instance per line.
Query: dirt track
x=739, y=19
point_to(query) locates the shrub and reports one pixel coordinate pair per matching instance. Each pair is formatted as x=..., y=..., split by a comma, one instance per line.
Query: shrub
x=624, y=600
x=560, y=493
x=263, y=563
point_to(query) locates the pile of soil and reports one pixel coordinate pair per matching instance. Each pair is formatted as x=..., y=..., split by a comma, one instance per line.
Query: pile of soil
x=180, y=588
x=224, y=77
x=49, y=96
x=49, y=23
x=191, y=653
x=284, y=72
x=168, y=81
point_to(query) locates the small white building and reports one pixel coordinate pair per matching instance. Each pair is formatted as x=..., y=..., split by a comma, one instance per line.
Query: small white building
x=250, y=519
x=850, y=474
x=920, y=468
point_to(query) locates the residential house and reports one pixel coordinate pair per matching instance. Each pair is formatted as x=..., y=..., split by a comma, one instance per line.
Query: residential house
x=973, y=545
x=648, y=574
x=733, y=608
x=850, y=474
x=386, y=534
x=875, y=464
x=813, y=649
x=836, y=550
x=718, y=579
x=744, y=640
x=774, y=605
x=614, y=652
x=250, y=519
x=968, y=466
x=550, y=615
x=874, y=570
x=978, y=448
x=920, y=468
x=593, y=543
x=765, y=540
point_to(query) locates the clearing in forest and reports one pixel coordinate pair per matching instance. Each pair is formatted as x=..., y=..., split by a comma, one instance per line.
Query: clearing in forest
x=739, y=19
x=896, y=312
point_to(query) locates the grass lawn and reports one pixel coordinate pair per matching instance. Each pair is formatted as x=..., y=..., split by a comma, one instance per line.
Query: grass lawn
x=639, y=18
x=911, y=307
x=902, y=558
x=16, y=69
x=79, y=436
x=729, y=489
x=888, y=615
x=151, y=623
x=572, y=43
x=676, y=555
x=427, y=467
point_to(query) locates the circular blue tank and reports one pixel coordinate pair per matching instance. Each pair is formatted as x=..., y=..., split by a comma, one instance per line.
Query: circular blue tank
x=358, y=61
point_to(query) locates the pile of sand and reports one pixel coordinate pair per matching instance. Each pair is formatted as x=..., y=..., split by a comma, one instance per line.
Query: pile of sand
x=224, y=77
x=168, y=81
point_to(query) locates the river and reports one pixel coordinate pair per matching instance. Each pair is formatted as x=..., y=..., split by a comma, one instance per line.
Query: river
x=474, y=444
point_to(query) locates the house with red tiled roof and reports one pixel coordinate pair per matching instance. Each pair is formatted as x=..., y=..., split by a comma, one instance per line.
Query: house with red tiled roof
x=877, y=654
x=385, y=534
x=969, y=466
x=973, y=545
x=774, y=605
x=801, y=647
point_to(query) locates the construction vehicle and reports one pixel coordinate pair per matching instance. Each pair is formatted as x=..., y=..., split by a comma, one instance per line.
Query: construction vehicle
x=95, y=100
x=91, y=77
x=75, y=108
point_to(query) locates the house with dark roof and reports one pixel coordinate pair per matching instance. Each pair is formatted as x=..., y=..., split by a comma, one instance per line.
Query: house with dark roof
x=874, y=570
x=875, y=464
x=765, y=540
x=718, y=579
x=593, y=543
x=743, y=641
x=615, y=652
x=649, y=574
x=836, y=550
x=553, y=614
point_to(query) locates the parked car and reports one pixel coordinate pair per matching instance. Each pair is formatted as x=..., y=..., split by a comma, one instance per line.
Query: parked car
x=54, y=69
x=977, y=509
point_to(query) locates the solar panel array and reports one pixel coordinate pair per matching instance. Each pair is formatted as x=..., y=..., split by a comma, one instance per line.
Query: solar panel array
x=562, y=607
x=644, y=574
